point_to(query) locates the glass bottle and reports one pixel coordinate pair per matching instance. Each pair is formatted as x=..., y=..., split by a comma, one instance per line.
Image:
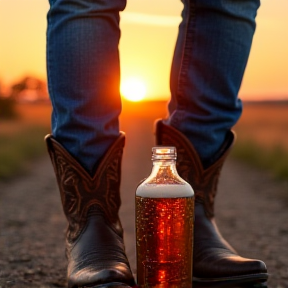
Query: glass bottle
x=164, y=225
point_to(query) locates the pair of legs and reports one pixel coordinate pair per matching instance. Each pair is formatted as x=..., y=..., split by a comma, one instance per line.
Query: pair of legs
x=83, y=73
x=211, y=53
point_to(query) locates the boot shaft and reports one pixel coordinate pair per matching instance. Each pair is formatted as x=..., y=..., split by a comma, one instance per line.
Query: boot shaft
x=189, y=165
x=83, y=195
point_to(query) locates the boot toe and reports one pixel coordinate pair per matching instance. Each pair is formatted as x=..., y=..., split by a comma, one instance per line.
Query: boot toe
x=117, y=276
x=98, y=257
x=229, y=268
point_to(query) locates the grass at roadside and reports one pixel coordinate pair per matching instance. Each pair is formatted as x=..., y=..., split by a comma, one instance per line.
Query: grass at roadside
x=262, y=137
x=17, y=149
x=274, y=159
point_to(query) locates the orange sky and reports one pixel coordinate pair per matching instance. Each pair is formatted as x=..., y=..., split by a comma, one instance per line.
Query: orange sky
x=147, y=45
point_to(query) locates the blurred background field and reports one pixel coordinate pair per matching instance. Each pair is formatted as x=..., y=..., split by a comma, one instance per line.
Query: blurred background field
x=262, y=134
x=21, y=137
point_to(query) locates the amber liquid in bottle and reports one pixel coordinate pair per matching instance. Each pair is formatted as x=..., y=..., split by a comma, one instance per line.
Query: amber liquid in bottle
x=164, y=228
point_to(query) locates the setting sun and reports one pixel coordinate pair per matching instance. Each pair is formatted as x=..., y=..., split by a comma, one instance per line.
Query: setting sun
x=133, y=89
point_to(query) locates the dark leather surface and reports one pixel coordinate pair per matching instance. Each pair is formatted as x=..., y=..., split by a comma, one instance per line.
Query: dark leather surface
x=214, y=259
x=94, y=239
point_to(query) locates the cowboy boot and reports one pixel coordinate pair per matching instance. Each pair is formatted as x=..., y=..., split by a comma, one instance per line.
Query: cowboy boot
x=214, y=259
x=94, y=240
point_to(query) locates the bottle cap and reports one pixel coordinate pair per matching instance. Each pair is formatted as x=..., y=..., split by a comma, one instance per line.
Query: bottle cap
x=164, y=153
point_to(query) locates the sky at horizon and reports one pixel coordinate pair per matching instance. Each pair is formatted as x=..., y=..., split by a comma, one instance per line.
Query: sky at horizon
x=149, y=31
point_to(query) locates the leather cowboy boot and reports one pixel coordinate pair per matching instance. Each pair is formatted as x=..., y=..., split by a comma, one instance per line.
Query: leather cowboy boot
x=214, y=259
x=94, y=240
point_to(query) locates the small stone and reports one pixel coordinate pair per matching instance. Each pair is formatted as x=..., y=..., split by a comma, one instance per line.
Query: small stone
x=29, y=272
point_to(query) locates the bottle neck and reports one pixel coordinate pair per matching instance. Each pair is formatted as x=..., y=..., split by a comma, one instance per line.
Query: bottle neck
x=164, y=172
x=166, y=162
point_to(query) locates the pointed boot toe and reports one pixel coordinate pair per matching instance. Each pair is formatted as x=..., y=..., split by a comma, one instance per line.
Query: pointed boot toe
x=101, y=261
x=222, y=266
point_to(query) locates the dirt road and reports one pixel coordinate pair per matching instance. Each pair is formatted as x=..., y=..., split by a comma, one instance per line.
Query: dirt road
x=251, y=212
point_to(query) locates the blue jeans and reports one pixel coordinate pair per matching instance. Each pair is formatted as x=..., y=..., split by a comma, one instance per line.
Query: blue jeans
x=210, y=57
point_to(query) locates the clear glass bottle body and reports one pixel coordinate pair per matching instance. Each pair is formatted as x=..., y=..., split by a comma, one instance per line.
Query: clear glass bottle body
x=164, y=225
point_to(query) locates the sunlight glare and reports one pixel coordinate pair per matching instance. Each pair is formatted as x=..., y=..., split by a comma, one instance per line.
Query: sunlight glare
x=133, y=89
